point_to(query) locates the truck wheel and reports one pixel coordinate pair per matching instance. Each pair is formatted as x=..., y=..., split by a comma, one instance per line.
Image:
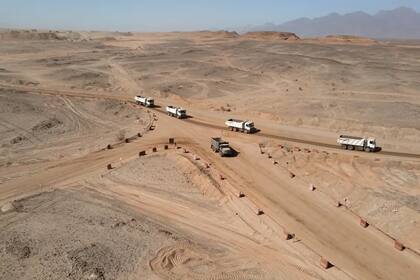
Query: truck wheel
x=368, y=150
x=351, y=148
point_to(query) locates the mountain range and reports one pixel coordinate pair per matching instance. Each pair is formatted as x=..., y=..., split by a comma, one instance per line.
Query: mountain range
x=400, y=23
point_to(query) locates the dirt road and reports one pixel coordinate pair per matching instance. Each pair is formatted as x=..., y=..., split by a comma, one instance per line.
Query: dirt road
x=330, y=231
x=195, y=120
x=64, y=102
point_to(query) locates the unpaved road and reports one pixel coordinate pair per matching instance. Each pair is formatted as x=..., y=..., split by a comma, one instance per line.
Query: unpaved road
x=194, y=120
x=332, y=232
x=65, y=102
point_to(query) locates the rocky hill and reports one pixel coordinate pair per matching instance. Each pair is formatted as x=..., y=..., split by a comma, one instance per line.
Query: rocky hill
x=401, y=23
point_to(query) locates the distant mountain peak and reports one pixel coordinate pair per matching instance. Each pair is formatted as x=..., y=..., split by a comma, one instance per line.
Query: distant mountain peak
x=333, y=15
x=398, y=11
x=404, y=9
x=399, y=23
x=358, y=13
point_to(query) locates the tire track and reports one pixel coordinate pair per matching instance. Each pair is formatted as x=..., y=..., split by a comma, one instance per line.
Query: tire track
x=196, y=122
x=13, y=126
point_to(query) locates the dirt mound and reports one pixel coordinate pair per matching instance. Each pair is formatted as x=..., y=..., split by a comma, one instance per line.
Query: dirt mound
x=93, y=262
x=18, y=139
x=345, y=39
x=271, y=35
x=30, y=35
x=47, y=125
x=8, y=207
x=39, y=35
x=127, y=34
x=217, y=34
x=18, y=247
x=208, y=36
x=225, y=34
x=108, y=39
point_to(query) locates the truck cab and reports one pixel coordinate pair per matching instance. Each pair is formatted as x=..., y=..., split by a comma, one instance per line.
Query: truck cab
x=249, y=126
x=225, y=150
x=182, y=113
x=221, y=147
x=371, y=144
x=150, y=102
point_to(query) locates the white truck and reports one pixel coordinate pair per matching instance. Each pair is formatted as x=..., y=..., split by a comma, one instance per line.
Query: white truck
x=243, y=126
x=357, y=143
x=145, y=101
x=177, y=112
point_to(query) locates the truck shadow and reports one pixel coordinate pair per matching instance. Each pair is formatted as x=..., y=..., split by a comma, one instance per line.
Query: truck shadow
x=235, y=153
x=377, y=150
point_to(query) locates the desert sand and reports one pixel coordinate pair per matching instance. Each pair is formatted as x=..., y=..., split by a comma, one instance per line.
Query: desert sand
x=78, y=201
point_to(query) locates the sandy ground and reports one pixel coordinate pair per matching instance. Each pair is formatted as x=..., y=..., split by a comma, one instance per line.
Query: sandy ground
x=169, y=215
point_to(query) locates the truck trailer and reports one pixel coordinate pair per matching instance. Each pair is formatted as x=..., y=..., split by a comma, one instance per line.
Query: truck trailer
x=144, y=101
x=242, y=126
x=221, y=147
x=177, y=112
x=357, y=143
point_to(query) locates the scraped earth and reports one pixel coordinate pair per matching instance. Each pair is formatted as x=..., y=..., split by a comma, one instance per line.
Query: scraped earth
x=96, y=238
x=99, y=234
x=79, y=199
x=42, y=128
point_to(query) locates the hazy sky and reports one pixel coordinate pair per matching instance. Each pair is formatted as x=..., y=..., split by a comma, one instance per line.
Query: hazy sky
x=170, y=15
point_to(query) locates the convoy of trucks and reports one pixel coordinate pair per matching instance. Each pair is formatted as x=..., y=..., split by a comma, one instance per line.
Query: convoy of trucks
x=221, y=147
x=357, y=143
x=242, y=126
x=177, y=112
x=144, y=101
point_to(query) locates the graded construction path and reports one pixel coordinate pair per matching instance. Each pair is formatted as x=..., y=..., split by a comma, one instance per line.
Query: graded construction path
x=362, y=253
x=64, y=101
x=329, y=231
x=21, y=89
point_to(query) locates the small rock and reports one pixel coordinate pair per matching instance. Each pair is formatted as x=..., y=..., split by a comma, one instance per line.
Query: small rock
x=8, y=207
x=26, y=252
